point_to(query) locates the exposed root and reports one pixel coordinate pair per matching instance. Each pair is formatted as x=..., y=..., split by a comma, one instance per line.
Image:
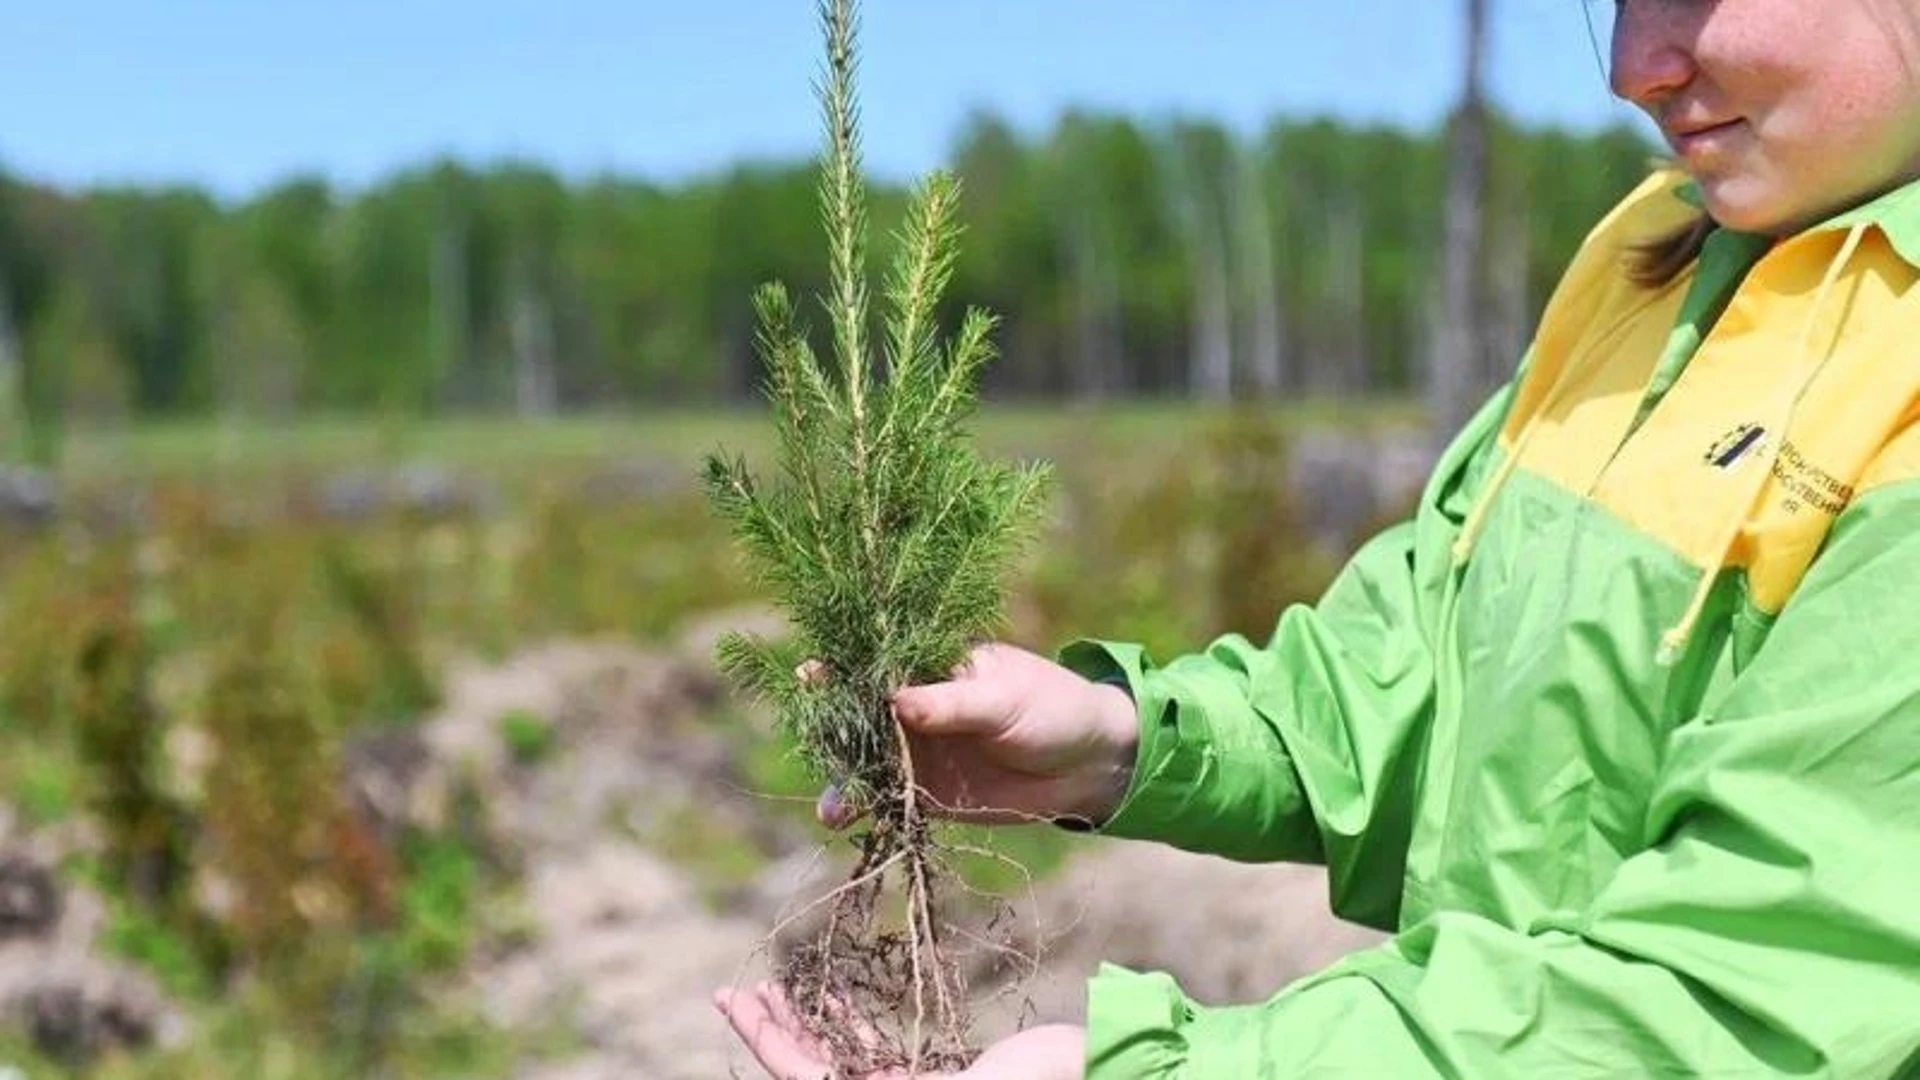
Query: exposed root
x=883, y=986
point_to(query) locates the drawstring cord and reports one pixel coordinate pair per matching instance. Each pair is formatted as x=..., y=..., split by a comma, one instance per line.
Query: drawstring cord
x=1477, y=517
x=1674, y=641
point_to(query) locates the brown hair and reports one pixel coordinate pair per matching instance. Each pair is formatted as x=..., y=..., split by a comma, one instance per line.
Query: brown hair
x=1658, y=261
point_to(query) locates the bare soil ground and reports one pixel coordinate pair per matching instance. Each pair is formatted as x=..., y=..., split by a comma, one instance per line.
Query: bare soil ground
x=622, y=949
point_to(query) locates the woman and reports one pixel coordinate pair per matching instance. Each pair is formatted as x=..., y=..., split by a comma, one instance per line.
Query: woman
x=1620, y=734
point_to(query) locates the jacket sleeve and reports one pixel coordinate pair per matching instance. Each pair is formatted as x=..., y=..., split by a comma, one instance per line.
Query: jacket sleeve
x=1770, y=926
x=1304, y=749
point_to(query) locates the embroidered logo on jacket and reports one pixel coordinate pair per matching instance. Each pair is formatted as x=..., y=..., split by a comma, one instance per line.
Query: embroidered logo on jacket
x=1736, y=445
x=1802, y=483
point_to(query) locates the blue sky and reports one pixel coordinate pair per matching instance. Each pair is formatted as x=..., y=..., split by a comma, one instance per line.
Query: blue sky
x=238, y=94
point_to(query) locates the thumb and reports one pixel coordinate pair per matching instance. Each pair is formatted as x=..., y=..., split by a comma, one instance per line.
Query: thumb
x=957, y=707
x=834, y=810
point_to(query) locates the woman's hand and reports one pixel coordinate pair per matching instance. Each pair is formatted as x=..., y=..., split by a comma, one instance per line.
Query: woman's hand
x=767, y=1025
x=1013, y=737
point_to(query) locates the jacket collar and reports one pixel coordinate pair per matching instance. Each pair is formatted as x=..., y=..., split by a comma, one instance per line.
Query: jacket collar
x=1896, y=213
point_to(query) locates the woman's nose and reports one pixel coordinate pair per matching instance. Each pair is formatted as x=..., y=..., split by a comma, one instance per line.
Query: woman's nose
x=1652, y=51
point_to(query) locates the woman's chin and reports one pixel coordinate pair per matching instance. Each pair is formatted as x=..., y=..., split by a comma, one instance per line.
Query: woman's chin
x=1745, y=205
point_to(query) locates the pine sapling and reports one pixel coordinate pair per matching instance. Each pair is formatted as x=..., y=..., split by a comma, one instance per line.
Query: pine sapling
x=885, y=538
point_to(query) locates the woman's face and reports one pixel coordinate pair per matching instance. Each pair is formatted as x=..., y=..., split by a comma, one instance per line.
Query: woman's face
x=1784, y=111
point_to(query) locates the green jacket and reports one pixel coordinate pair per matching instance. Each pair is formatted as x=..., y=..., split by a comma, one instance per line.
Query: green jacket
x=1619, y=735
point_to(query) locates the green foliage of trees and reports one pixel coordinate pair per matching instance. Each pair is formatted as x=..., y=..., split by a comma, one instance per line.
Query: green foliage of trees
x=1125, y=258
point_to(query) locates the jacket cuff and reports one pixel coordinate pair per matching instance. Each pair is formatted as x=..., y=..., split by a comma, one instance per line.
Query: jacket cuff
x=1135, y=1025
x=1142, y=1027
x=1165, y=774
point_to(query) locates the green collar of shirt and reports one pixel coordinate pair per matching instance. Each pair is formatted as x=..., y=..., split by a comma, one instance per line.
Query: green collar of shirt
x=1896, y=213
x=1728, y=256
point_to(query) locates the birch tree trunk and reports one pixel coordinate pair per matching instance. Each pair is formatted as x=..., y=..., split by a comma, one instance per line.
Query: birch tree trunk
x=530, y=335
x=1095, y=289
x=1508, y=299
x=1454, y=382
x=16, y=412
x=1210, y=322
x=1266, y=360
x=1352, y=364
x=11, y=413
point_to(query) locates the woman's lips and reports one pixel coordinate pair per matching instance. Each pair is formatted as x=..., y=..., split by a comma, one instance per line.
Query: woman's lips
x=1704, y=141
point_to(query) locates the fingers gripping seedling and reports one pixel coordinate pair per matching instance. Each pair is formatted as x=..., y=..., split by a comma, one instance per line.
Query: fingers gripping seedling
x=885, y=539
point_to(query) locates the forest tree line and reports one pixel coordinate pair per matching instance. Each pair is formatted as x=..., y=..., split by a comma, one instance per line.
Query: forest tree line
x=1125, y=258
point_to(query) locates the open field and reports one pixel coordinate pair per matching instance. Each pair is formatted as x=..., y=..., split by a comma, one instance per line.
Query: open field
x=514, y=446
x=364, y=751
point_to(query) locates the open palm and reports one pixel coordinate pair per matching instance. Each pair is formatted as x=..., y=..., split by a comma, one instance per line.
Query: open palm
x=769, y=1028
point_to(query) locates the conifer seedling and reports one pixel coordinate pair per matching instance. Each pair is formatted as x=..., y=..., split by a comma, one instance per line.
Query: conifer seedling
x=884, y=537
